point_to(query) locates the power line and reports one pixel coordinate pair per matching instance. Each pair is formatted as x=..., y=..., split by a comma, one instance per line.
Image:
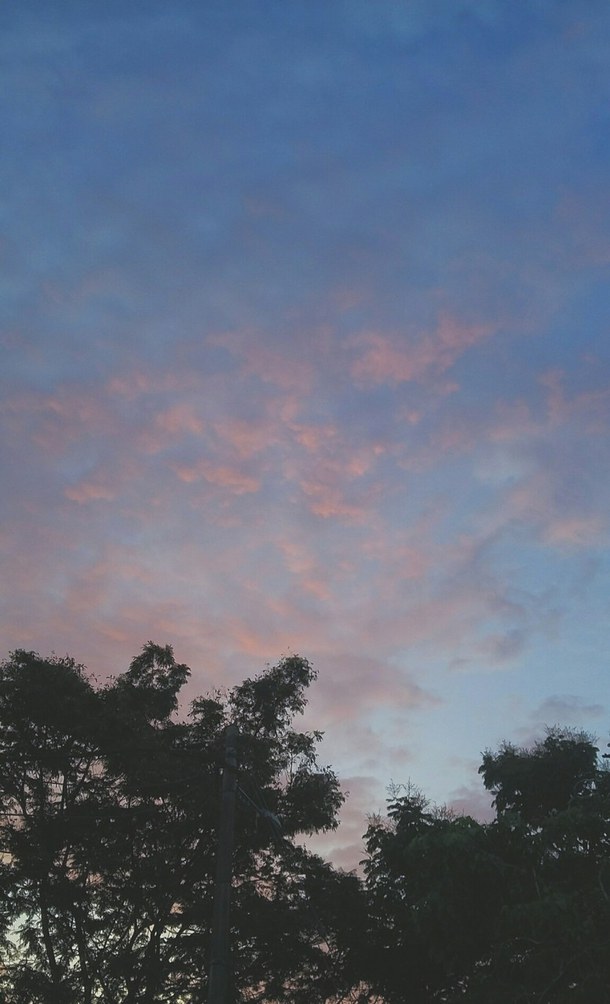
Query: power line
x=282, y=840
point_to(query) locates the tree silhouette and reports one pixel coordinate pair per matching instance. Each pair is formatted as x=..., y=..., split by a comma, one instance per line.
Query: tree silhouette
x=108, y=812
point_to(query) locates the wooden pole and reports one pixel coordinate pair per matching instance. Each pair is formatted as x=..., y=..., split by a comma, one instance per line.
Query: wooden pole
x=218, y=983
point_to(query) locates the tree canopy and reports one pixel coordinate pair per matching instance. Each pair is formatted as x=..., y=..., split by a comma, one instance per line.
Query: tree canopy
x=516, y=910
x=109, y=807
x=108, y=818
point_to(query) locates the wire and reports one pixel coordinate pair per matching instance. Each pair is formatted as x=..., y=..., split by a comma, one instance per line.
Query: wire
x=281, y=839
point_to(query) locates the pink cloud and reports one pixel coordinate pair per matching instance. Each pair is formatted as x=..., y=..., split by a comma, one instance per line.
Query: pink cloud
x=401, y=615
x=576, y=531
x=311, y=575
x=53, y=423
x=393, y=360
x=337, y=481
x=593, y=406
x=246, y=438
x=180, y=419
x=353, y=681
x=403, y=555
x=345, y=847
x=328, y=501
x=315, y=438
x=513, y=422
x=138, y=382
x=236, y=482
x=539, y=499
x=262, y=643
x=472, y=800
x=280, y=369
x=89, y=491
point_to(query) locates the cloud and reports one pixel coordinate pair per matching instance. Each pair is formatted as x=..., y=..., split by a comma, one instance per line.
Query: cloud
x=351, y=682
x=591, y=406
x=89, y=491
x=576, y=531
x=179, y=420
x=505, y=647
x=308, y=570
x=286, y=369
x=563, y=710
x=315, y=438
x=246, y=437
x=235, y=481
x=345, y=846
x=566, y=709
x=394, y=360
x=472, y=800
x=550, y=498
x=287, y=379
x=329, y=501
x=541, y=461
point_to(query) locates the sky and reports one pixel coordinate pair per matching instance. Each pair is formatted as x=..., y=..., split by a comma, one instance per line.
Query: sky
x=305, y=349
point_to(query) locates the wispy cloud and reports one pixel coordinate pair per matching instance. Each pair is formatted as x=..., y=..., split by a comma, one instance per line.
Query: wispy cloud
x=305, y=349
x=566, y=709
x=395, y=359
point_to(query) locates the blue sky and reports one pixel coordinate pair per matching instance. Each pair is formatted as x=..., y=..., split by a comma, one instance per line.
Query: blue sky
x=304, y=331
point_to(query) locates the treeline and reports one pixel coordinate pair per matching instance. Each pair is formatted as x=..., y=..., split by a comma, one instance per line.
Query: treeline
x=108, y=814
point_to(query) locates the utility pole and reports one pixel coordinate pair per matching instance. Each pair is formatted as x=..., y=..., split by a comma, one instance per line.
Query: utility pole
x=218, y=983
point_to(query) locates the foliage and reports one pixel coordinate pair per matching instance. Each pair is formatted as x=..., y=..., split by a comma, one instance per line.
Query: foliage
x=512, y=911
x=544, y=779
x=108, y=812
x=108, y=809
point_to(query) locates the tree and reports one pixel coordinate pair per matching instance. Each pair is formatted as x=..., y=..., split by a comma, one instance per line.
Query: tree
x=432, y=885
x=108, y=811
x=544, y=779
x=517, y=910
x=553, y=830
